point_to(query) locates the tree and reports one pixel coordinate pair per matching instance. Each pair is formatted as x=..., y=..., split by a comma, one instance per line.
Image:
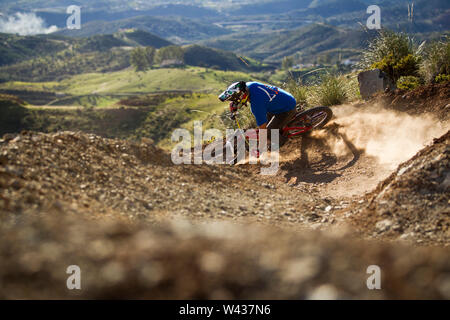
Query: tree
x=138, y=59
x=170, y=53
x=287, y=63
x=150, y=53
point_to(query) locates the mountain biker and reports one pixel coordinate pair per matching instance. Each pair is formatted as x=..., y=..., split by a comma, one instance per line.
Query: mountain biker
x=272, y=107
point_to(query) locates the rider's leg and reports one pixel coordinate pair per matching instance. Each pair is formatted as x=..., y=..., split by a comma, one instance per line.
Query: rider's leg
x=279, y=121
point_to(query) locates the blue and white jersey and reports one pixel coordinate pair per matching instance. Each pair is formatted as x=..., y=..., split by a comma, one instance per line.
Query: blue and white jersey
x=266, y=98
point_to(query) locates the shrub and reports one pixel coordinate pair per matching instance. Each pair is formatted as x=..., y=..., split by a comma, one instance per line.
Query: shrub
x=331, y=91
x=297, y=90
x=287, y=63
x=352, y=87
x=442, y=78
x=13, y=114
x=408, y=83
x=436, y=60
x=394, y=53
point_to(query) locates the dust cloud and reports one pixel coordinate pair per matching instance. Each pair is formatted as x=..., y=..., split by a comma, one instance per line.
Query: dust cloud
x=390, y=136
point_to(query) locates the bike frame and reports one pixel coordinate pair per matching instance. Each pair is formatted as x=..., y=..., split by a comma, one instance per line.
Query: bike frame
x=285, y=130
x=301, y=130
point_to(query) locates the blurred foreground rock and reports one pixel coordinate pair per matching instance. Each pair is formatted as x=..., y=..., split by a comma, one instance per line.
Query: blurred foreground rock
x=208, y=261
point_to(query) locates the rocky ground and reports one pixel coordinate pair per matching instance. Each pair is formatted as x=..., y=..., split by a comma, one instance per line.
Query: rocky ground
x=414, y=202
x=141, y=227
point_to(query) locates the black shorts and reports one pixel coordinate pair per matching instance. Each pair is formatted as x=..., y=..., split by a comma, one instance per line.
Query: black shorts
x=279, y=121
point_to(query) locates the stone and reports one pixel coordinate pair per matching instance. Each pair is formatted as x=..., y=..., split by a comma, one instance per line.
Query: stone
x=373, y=81
x=8, y=136
x=383, y=225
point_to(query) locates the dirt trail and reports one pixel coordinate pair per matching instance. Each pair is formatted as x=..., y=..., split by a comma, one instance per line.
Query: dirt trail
x=141, y=227
x=313, y=164
x=360, y=148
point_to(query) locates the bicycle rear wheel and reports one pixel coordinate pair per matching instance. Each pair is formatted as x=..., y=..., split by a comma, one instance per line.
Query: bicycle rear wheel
x=311, y=119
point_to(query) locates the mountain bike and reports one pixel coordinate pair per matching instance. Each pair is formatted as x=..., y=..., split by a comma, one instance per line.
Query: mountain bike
x=303, y=122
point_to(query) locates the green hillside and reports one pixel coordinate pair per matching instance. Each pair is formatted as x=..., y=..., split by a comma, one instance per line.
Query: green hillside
x=103, y=89
x=66, y=64
x=14, y=48
x=136, y=37
x=53, y=57
x=166, y=79
x=195, y=55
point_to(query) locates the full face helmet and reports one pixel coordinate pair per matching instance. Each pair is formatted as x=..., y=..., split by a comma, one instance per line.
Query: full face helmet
x=237, y=93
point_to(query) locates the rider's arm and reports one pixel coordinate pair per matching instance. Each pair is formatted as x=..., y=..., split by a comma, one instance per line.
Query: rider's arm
x=260, y=114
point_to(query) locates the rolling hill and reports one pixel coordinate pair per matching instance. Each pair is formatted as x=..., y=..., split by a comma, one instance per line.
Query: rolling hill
x=136, y=37
x=15, y=48
x=54, y=57
x=196, y=55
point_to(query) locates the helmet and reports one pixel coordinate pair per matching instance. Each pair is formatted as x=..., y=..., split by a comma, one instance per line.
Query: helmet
x=237, y=92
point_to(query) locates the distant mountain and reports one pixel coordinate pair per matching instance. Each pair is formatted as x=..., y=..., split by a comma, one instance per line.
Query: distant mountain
x=306, y=42
x=156, y=7
x=180, y=30
x=333, y=7
x=189, y=21
x=270, y=7
x=322, y=3
x=428, y=15
x=182, y=10
x=59, y=17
